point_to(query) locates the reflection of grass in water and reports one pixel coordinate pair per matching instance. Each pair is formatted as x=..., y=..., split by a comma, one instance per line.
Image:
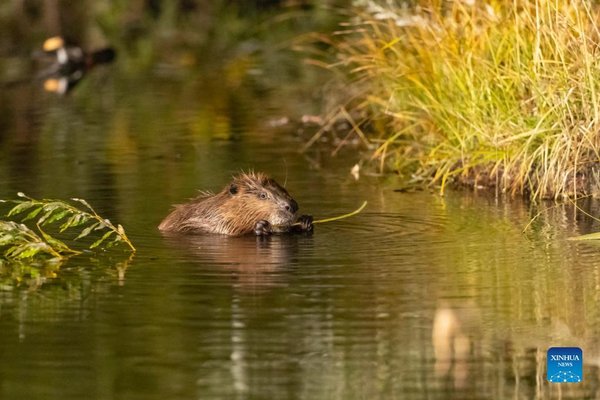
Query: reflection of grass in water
x=500, y=94
x=530, y=289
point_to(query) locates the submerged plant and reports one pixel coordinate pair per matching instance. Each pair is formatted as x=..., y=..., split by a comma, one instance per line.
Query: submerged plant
x=501, y=94
x=18, y=241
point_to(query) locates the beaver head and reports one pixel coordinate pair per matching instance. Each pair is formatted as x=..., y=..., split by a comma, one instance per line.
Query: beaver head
x=252, y=197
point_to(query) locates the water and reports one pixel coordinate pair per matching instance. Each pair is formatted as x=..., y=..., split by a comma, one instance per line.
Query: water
x=419, y=296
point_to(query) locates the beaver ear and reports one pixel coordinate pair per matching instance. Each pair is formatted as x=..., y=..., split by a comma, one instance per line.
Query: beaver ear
x=233, y=189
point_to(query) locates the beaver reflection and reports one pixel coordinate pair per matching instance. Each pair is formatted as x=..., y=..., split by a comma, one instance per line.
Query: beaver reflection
x=255, y=262
x=64, y=65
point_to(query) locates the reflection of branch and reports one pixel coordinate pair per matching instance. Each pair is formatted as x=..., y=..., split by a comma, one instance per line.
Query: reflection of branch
x=121, y=267
x=589, y=236
x=33, y=275
x=17, y=273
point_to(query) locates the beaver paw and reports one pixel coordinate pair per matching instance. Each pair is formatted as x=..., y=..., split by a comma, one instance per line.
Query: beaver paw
x=262, y=228
x=306, y=223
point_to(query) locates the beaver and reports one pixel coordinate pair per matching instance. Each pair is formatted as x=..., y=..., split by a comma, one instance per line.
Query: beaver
x=252, y=202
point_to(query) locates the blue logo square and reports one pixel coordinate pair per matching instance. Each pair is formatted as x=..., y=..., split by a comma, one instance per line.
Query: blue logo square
x=564, y=364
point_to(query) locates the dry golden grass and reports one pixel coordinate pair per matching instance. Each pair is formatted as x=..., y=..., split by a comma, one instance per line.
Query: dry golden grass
x=499, y=94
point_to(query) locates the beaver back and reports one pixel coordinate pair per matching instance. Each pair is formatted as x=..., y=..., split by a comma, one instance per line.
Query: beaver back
x=235, y=210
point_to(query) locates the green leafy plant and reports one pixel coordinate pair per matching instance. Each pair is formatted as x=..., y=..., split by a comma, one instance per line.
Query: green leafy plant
x=18, y=241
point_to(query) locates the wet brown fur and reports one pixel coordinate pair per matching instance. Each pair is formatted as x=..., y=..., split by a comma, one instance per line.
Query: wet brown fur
x=236, y=209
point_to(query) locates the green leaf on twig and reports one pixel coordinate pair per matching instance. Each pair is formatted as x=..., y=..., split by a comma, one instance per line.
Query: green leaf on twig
x=18, y=241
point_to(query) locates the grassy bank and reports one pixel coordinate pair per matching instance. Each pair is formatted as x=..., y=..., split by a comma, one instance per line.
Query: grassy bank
x=500, y=94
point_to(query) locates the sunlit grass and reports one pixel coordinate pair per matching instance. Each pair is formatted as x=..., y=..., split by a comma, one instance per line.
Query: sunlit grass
x=496, y=94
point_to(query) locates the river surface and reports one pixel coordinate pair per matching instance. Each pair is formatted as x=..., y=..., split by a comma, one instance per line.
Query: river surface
x=417, y=297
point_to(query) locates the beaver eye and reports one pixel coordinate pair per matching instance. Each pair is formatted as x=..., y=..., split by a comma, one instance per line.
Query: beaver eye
x=262, y=195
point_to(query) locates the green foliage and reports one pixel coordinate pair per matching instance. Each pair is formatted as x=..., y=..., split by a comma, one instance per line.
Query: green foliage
x=500, y=94
x=18, y=241
x=21, y=242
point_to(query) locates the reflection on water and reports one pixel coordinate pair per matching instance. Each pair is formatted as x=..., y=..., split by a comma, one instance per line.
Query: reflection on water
x=418, y=296
x=254, y=263
x=452, y=333
x=63, y=65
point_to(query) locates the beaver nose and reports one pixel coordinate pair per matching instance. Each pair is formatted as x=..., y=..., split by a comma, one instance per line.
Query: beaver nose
x=292, y=206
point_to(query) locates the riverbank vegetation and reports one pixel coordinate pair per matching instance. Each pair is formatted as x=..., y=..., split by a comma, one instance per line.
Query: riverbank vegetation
x=496, y=94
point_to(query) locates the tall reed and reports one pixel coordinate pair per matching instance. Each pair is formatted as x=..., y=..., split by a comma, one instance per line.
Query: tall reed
x=501, y=94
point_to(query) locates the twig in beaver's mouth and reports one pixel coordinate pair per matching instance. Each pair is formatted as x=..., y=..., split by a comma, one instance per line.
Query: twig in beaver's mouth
x=320, y=221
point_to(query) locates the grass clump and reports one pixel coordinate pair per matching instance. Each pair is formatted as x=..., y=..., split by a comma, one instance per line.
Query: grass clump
x=501, y=94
